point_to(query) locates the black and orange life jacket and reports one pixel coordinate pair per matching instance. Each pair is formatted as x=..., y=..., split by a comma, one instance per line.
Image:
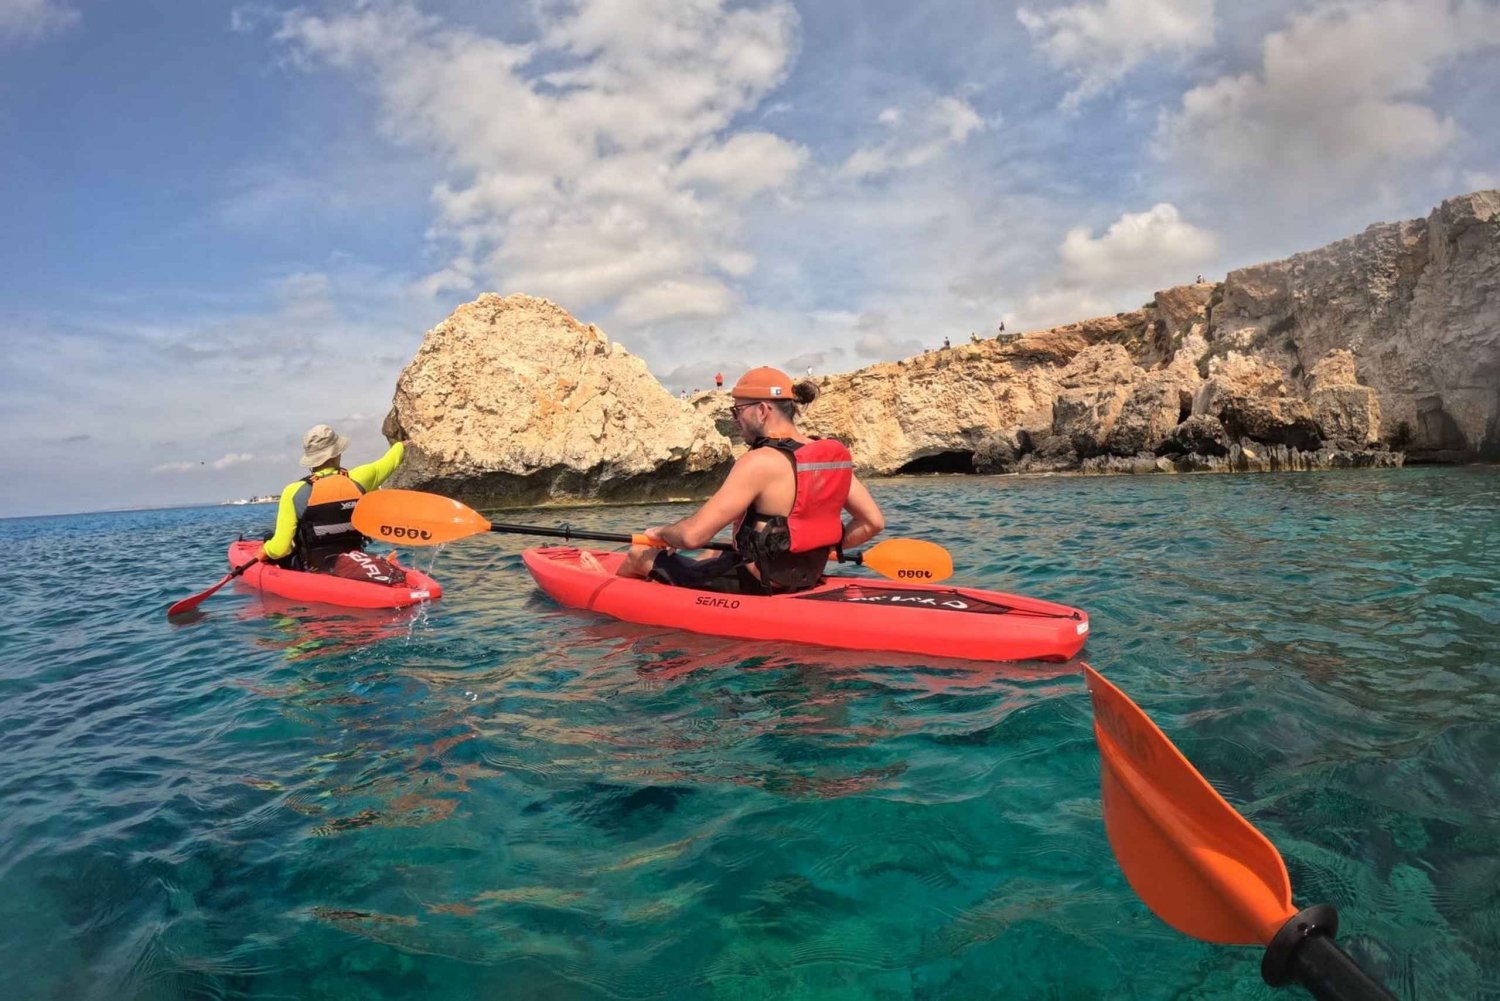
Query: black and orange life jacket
x=790, y=551
x=324, y=528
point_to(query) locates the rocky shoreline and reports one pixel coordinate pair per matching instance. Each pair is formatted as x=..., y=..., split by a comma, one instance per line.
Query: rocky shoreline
x=1372, y=352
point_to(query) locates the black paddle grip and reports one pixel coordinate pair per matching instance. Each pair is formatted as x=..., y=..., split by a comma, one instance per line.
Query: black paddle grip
x=1304, y=951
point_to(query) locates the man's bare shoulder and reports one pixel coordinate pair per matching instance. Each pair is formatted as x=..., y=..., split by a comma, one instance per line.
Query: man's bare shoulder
x=763, y=461
x=766, y=454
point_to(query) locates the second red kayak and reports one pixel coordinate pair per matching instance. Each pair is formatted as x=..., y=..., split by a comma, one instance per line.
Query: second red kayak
x=854, y=613
x=299, y=585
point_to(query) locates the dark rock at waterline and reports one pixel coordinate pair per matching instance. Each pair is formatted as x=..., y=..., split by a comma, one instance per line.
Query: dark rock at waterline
x=997, y=454
x=1202, y=435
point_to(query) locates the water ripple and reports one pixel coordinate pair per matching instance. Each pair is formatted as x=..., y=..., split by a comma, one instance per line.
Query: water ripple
x=495, y=796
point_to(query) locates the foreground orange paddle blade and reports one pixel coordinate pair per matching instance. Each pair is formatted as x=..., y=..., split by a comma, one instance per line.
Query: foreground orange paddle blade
x=909, y=559
x=1199, y=865
x=415, y=518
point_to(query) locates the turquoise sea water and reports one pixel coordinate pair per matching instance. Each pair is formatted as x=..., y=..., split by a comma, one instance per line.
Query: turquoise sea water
x=493, y=797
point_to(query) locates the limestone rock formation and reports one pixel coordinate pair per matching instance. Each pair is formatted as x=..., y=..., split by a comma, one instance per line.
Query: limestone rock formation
x=1343, y=356
x=1343, y=409
x=1390, y=339
x=1415, y=304
x=512, y=401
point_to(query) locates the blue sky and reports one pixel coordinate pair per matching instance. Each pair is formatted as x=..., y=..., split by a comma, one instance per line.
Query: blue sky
x=221, y=223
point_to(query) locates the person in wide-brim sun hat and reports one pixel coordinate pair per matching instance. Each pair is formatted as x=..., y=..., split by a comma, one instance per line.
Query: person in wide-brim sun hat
x=313, y=519
x=320, y=444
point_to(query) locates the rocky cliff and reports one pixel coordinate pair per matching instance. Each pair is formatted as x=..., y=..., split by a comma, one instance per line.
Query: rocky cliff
x=1373, y=348
x=1415, y=304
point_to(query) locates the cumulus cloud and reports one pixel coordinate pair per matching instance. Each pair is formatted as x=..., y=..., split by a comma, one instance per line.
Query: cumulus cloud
x=914, y=140
x=1099, y=43
x=1139, y=253
x=1336, y=100
x=597, y=163
x=1142, y=246
x=29, y=20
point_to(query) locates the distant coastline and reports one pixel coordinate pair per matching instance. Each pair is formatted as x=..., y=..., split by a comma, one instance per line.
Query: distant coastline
x=139, y=508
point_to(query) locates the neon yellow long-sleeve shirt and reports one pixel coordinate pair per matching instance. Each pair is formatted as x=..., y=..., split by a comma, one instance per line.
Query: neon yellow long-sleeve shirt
x=369, y=476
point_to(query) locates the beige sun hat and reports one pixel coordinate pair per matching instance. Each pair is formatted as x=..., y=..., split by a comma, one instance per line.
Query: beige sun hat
x=320, y=444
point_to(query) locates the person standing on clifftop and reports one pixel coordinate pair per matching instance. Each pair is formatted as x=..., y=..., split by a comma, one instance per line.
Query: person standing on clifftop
x=313, y=527
x=785, y=496
x=719, y=380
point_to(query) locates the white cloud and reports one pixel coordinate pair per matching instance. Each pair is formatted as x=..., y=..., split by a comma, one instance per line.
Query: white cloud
x=1335, y=101
x=1150, y=246
x=597, y=164
x=1055, y=304
x=915, y=140
x=217, y=465
x=746, y=165
x=1140, y=253
x=457, y=277
x=1481, y=180
x=30, y=20
x=674, y=299
x=1099, y=43
x=875, y=341
x=169, y=398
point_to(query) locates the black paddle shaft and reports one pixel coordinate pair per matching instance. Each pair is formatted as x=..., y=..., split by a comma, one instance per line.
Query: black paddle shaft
x=1304, y=950
x=567, y=533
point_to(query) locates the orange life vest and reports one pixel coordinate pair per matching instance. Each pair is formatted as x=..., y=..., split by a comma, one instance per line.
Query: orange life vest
x=324, y=510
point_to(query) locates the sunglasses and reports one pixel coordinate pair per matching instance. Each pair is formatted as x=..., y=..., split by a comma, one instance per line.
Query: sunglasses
x=736, y=408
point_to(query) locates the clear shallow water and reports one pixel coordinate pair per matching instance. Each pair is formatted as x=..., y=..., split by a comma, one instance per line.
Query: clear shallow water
x=495, y=797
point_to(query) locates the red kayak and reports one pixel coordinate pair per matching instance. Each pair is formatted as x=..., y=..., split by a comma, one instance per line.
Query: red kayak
x=854, y=613
x=298, y=585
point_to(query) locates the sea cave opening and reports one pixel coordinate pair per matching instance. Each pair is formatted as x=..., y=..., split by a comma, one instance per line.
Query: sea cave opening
x=941, y=462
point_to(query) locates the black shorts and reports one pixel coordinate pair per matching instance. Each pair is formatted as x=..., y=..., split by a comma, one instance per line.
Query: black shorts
x=722, y=574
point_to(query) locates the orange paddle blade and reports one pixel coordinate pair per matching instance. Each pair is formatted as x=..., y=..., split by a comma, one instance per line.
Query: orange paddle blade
x=909, y=559
x=1200, y=866
x=415, y=518
x=188, y=604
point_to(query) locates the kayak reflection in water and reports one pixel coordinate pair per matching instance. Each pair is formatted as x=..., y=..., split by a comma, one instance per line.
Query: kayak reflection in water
x=785, y=497
x=313, y=530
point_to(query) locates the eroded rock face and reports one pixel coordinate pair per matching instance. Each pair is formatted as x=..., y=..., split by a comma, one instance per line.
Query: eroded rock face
x=511, y=401
x=896, y=415
x=1414, y=305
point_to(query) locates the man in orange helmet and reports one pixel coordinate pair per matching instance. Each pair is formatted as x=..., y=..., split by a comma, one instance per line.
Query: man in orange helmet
x=786, y=497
